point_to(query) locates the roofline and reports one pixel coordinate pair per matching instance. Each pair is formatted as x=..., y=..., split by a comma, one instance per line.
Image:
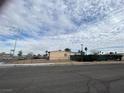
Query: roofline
x=60, y=51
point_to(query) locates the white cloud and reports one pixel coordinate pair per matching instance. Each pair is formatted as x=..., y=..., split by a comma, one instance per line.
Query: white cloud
x=57, y=24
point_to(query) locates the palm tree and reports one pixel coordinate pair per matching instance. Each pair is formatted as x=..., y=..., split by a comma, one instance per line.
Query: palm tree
x=86, y=49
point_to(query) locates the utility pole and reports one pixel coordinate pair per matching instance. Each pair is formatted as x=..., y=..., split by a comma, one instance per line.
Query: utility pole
x=15, y=44
x=15, y=47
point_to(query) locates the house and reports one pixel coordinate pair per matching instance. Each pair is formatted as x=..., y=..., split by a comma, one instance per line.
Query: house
x=59, y=55
x=5, y=56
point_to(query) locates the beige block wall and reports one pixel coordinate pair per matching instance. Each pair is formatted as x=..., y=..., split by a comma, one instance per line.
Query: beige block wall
x=59, y=55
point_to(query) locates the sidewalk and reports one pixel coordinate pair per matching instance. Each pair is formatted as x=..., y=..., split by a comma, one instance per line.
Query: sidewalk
x=61, y=64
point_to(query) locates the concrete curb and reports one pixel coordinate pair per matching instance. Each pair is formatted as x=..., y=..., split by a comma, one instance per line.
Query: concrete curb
x=58, y=64
x=24, y=65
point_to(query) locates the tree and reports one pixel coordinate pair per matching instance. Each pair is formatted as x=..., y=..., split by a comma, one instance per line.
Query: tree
x=86, y=49
x=20, y=53
x=30, y=55
x=79, y=51
x=46, y=53
x=38, y=56
x=67, y=50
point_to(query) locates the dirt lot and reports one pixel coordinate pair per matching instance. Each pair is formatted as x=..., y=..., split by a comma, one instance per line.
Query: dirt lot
x=32, y=61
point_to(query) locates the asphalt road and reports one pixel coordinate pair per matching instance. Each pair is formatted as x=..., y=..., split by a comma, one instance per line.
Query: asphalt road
x=63, y=79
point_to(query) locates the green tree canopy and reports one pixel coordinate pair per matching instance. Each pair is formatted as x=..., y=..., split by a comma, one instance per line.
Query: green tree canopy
x=67, y=49
x=20, y=53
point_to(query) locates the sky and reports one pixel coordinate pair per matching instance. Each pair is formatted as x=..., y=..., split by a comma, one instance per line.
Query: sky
x=40, y=25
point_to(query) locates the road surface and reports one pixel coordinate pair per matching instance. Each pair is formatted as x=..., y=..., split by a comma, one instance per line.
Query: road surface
x=63, y=79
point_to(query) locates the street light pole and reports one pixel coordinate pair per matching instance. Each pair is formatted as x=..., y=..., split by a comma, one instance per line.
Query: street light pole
x=82, y=47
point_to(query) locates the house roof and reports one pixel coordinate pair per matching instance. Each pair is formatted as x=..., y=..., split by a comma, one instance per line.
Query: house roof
x=60, y=51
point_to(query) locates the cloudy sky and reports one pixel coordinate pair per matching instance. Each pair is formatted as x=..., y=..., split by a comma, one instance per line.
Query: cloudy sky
x=43, y=25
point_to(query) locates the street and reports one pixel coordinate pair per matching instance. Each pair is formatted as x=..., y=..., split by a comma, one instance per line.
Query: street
x=103, y=78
